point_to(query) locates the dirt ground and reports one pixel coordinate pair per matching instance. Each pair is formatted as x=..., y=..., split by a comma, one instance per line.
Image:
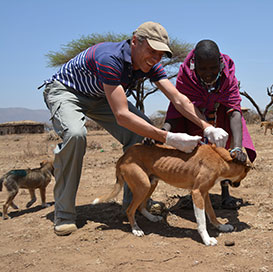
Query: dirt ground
x=104, y=242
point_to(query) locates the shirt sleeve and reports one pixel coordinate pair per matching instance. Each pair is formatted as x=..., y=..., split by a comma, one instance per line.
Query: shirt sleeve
x=104, y=65
x=109, y=69
x=157, y=73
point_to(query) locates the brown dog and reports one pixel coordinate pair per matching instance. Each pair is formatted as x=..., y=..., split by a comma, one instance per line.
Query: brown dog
x=267, y=125
x=142, y=166
x=30, y=179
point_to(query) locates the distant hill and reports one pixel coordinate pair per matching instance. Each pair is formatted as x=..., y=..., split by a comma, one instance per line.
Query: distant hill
x=19, y=114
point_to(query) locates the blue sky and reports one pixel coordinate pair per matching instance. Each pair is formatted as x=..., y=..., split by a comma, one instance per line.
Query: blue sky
x=31, y=28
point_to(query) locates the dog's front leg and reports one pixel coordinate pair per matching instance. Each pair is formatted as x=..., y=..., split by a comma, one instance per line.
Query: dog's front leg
x=14, y=206
x=43, y=197
x=199, y=212
x=33, y=197
x=212, y=217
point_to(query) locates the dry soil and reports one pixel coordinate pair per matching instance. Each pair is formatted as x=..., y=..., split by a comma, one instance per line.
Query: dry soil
x=104, y=241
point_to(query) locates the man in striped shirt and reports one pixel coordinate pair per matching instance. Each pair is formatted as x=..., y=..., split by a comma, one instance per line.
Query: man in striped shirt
x=93, y=84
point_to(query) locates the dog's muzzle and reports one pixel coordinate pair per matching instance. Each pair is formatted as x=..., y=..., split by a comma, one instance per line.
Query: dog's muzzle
x=234, y=184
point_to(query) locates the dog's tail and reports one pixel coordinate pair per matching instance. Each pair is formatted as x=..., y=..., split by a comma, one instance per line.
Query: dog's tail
x=116, y=190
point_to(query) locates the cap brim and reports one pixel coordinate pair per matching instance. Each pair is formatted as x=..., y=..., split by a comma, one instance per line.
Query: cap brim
x=159, y=46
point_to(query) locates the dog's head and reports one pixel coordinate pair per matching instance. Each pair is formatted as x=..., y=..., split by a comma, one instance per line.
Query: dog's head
x=48, y=164
x=236, y=181
x=265, y=123
x=237, y=170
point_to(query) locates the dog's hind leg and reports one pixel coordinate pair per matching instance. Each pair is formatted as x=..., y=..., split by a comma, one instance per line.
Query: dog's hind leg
x=9, y=201
x=143, y=205
x=140, y=185
x=131, y=210
x=12, y=189
x=199, y=212
x=32, y=196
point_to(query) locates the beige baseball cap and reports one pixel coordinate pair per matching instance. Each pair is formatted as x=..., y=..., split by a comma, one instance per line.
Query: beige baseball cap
x=156, y=36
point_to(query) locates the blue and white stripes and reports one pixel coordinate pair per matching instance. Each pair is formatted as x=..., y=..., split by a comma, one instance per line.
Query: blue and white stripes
x=108, y=63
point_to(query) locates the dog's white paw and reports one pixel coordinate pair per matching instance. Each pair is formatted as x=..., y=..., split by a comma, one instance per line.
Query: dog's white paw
x=96, y=201
x=138, y=232
x=210, y=241
x=226, y=228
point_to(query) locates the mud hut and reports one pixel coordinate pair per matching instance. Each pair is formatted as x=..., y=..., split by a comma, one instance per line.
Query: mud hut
x=20, y=127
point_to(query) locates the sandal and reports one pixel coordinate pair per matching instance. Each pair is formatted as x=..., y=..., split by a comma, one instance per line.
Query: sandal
x=230, y=203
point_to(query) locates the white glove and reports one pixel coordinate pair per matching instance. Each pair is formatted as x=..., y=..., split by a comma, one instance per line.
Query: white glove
x=182, y=141
x=216, y=136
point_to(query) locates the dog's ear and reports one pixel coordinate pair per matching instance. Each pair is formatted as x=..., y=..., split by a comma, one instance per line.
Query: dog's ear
x=223, y=153
x=43, y=163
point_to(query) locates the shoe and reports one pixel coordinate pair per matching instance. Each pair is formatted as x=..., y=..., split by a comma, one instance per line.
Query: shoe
x=230, y=204
x=64, y=227
x=155, y=207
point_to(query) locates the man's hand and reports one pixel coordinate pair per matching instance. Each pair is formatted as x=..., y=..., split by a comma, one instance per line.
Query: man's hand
x=182, y=141
x=238, y=155
x=216, y=136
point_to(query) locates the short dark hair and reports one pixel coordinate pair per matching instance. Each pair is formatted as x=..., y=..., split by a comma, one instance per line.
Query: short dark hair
x=206, y=49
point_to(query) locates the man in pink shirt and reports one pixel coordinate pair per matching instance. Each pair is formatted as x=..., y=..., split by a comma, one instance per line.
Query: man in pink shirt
x=207, y=78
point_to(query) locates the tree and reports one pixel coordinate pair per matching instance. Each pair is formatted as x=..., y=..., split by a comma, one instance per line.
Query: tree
x=142, y=88
x=268, y=106
x=73, y=48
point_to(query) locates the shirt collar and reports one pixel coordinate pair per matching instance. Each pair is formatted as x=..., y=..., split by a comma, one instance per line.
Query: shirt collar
x=127, y=51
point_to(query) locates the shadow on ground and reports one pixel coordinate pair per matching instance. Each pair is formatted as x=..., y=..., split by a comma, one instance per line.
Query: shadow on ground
x=111, y=216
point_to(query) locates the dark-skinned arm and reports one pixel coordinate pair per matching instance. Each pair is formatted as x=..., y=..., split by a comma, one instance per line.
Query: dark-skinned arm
x=237, y=133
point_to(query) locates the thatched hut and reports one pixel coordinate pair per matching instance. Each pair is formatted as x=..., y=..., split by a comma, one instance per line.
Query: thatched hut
x=19, y=127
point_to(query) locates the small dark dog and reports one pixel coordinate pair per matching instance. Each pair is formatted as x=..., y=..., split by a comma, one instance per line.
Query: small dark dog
x=30, y=179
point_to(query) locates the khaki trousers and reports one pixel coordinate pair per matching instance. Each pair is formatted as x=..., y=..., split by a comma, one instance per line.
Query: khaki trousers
x=68, y=115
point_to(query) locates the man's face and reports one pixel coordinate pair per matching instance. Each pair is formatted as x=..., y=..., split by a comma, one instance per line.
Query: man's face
x=144, y=57
x=207, y=69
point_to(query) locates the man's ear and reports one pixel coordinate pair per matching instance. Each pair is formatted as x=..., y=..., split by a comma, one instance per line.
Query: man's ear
x=134, y=40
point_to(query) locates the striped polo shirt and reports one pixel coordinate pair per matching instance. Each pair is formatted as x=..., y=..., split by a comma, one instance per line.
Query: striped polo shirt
x=108, y=63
